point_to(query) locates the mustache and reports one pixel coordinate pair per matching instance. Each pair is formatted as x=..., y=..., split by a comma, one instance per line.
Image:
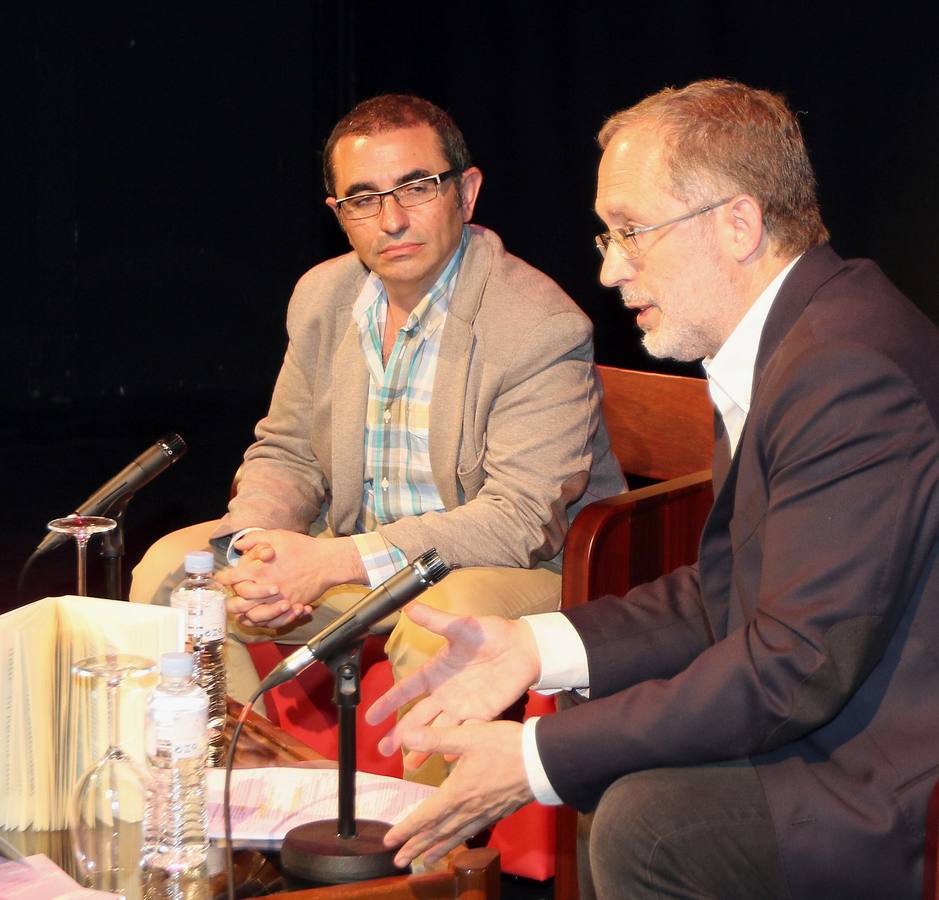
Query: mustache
x=632, y=297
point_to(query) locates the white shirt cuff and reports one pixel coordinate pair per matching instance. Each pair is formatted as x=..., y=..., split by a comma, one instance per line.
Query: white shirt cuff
x=562, y=653
x=534, y=770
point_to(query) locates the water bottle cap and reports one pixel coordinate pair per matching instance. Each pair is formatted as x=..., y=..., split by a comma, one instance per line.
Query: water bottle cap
x=176, y=665
x=199, y=562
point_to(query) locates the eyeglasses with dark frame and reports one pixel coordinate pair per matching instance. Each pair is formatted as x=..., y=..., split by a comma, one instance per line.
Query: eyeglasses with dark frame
x=625, y=239
x=407, y=195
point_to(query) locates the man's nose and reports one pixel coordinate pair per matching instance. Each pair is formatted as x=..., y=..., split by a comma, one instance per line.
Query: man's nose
x=616, y=269
x=393, y=217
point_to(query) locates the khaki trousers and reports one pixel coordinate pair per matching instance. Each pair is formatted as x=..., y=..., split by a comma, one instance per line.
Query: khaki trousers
x=501, y=591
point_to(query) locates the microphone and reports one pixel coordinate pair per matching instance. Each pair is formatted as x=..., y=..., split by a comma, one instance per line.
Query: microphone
x=126, y=483
x=388, y=597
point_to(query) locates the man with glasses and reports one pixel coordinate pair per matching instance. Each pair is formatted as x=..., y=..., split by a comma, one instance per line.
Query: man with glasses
x=436, y=392
x=763, y=723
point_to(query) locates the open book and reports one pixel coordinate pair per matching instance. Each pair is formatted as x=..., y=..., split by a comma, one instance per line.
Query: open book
x=53, y=724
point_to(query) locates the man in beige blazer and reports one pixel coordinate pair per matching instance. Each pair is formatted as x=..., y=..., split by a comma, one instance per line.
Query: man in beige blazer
x=436, y=392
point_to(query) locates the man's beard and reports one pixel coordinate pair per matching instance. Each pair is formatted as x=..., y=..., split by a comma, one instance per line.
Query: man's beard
x=668, y=339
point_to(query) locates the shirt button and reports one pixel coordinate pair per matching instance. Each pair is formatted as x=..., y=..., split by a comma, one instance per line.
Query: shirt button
x=387, y=416
x=384, y=484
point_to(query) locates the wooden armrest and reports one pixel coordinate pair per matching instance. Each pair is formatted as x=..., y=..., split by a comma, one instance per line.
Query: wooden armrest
x=474, y=875
x=626, y=540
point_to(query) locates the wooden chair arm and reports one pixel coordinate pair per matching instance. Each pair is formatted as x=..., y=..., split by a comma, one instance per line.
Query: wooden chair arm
x=623, y=541
x=474, y=875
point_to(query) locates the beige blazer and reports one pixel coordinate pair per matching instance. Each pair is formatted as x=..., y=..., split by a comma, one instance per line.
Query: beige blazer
x=517, y=441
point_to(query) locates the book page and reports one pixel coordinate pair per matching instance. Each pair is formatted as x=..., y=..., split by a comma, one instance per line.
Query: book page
x=267, y=803
x=95, y=627
x=92, y=626
x=55, y=723
x=27, y=647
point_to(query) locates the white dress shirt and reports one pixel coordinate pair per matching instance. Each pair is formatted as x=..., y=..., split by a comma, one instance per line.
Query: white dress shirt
x=563, y=656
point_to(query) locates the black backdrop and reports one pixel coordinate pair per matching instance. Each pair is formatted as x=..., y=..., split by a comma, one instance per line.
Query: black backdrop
x=164, y=192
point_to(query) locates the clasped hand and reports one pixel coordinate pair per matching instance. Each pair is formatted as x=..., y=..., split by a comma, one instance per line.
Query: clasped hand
x=282, y=573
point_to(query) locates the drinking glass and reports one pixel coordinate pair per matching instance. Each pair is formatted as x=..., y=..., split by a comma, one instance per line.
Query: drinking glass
x=82, y=528
x=106, y=811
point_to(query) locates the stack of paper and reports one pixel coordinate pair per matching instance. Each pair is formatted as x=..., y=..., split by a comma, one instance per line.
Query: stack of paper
x=267, y=803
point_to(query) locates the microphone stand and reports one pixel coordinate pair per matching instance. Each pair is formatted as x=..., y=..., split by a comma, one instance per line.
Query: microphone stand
x=341, y=850
x=112, y=549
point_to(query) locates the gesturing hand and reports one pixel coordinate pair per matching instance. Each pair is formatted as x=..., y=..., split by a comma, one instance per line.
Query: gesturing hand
x=488, y=663
x=488, y=782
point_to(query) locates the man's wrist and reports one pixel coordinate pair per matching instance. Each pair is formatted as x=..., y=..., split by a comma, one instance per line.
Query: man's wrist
x=561, y=653
x=538, y=779
x=379, y=559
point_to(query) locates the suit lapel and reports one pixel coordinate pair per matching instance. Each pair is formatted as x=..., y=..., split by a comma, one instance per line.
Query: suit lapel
x=815, y=268
x=714, y=571
x=721, y=461
x=451, y=380
x=350, y=402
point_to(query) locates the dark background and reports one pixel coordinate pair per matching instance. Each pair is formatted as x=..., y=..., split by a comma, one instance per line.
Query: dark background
x=163, y=194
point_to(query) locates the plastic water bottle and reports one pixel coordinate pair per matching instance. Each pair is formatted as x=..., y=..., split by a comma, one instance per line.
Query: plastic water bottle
x=203, y=600
x=175, y=826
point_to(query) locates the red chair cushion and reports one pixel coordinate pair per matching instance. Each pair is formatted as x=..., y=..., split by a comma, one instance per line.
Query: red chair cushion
x=304, y=707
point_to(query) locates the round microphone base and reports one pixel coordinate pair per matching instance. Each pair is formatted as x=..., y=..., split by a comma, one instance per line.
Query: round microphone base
x=315, y=852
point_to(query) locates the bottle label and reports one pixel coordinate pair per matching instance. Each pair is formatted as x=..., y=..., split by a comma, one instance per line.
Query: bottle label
x=176, y=734
x=205, y=614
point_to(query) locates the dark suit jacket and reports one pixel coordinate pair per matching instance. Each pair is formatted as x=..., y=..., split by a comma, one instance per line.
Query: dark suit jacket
x=807, y=636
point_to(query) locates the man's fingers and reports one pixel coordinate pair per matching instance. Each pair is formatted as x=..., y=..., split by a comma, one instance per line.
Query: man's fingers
x=430, y=847
x=428, y=739
x=263, y=553
x=259, y=613
x=414, y=759
x=232, y=576
x=247, y=541
x=254, y=591
x=434, y=620
x=426, y=818
x=433, y=834
x=461, y=832
x=242, y=574
x=275, y=622
x=238, y=605
x=395, y=697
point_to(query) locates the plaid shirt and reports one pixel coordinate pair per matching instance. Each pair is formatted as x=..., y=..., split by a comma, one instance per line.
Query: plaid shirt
x=398, y=479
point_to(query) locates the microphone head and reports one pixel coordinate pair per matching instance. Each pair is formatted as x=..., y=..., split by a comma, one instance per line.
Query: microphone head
x=430, y=567
x=172, y=445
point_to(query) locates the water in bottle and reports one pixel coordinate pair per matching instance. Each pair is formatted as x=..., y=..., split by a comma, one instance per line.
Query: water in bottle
x=203, y=600
x=175, y=845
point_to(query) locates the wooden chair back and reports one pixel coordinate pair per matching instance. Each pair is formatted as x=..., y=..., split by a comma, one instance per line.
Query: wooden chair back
x=661, y=426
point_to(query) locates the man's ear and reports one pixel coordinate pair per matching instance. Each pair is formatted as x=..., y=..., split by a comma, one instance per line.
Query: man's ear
x=468, y=187
x=331, y=203
x=744, y=229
